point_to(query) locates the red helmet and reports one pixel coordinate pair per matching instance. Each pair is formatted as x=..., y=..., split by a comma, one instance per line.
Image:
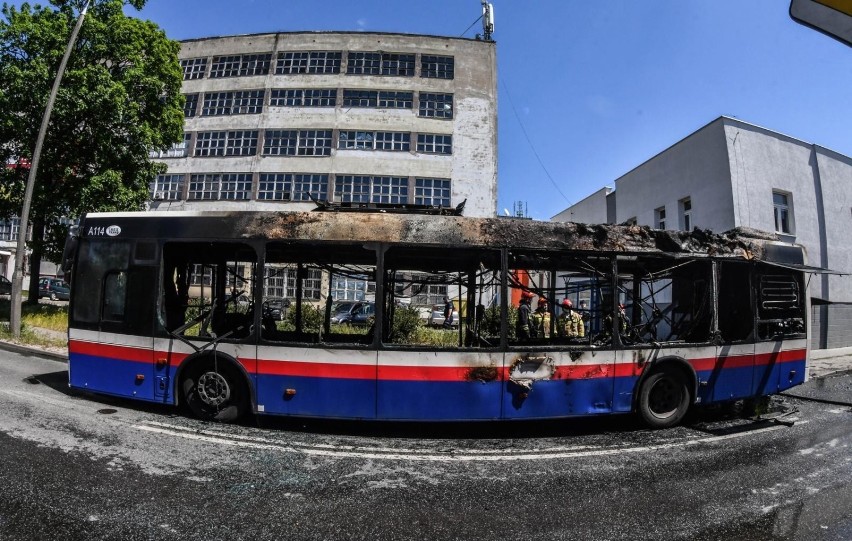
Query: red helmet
x=566, y=303
x=620, y=306
x=526, y=295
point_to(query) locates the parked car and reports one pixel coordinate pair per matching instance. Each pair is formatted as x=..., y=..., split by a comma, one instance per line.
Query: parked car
x=275, y=308
x=5, y=286
x=354, y=313
x=54, y=288
x=436, y=319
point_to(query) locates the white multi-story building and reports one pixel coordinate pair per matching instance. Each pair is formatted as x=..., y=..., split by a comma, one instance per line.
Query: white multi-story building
x=274, y=121
x=730, y=174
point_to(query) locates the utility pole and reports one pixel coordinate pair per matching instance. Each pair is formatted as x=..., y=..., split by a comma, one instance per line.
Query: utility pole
x=18, y=275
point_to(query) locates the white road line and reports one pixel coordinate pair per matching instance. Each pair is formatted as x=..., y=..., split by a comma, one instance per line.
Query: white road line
x=460, y=455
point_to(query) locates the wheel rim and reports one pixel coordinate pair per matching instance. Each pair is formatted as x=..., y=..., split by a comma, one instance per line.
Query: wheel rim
x=665, y=398
x=213, y=389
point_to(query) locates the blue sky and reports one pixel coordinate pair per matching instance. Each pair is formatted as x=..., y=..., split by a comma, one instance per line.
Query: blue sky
x=599, y=86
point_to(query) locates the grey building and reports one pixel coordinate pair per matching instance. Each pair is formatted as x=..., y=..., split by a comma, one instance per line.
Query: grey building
x=731, y=173
x=274, y=120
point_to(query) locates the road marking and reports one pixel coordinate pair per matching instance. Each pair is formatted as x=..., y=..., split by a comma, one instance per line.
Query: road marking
x=453, y=455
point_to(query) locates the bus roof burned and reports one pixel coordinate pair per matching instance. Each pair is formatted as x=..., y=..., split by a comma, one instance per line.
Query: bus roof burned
x=500, y=232
x=431, y=230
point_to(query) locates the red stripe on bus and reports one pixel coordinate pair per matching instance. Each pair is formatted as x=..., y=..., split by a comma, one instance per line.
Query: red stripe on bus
x=316, y=370
x=125, y=353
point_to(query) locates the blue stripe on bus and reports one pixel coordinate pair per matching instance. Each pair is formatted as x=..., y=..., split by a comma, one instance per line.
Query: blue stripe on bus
x=111, y=376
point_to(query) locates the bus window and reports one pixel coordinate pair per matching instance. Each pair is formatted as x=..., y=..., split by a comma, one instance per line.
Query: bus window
x=208, y=289
x=442, y=298
x=319, y=294
x=96, y=259
x=736, y=315
x=664, y=300
x=781, y=305
x=559, y=298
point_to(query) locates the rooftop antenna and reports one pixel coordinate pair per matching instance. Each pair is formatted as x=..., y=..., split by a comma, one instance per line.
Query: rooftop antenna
x=487, y=20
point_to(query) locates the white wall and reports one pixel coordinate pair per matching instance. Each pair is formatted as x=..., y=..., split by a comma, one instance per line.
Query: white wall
x=591, y=210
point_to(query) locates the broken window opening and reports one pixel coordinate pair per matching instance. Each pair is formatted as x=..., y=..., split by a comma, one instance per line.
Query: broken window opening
x=316, y=295
x=208, y=290
x=440, y=298
x=781, y=305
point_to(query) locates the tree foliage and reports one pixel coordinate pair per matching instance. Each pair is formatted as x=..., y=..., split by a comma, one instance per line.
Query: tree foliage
x=119, y=99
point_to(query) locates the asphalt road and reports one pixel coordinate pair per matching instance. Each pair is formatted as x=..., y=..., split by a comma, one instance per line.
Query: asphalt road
x=83, y=467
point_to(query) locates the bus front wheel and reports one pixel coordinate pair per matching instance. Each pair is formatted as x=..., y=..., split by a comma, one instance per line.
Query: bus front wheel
x=214, y=391
x=663, y=398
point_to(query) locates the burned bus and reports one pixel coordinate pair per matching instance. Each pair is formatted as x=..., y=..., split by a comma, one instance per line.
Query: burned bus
x=229, y=313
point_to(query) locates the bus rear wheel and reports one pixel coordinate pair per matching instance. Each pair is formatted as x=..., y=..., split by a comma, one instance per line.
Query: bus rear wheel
x=663, y=398
x=214, y=391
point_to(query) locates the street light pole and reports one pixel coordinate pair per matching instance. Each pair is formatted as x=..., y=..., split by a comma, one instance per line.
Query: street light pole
x=18, y=275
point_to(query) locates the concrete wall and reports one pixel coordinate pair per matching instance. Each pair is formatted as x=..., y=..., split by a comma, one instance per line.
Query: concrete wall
x=591, y=210
x=835, y=174
x=695, y=167
x=472, y=167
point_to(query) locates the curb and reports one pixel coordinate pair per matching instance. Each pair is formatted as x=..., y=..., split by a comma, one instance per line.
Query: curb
x=33, y=352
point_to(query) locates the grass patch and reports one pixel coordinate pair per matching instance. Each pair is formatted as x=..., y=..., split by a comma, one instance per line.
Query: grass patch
x=46, y=316
x=31, y=337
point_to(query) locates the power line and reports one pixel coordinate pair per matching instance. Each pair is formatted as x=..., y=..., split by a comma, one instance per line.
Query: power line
x=471, y=26
x=529, y=141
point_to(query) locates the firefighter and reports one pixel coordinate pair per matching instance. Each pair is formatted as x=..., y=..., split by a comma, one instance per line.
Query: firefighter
x=524, y=326
x=570, y=322
x=622, y=322
x=541, y=319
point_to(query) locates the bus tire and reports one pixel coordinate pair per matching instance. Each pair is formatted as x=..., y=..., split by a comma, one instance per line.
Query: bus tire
x=214, y=391
x=663, y=398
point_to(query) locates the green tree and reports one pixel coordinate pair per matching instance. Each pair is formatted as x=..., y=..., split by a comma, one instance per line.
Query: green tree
x=120, y=99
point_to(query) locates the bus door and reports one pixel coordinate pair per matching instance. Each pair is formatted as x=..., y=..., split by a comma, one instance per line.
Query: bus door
x=112, y=318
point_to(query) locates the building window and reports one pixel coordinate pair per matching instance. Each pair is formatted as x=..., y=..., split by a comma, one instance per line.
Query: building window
x=167, y=188
x=233, y=103
x=220, y=143
x=686, y=214
x=280, y=142
x=782, y=203
x=367, y=189
x=432, y=191
x=297, y=143
x=308, y=187
x=177, y=150
x=236, y=187
x=360, y=98
x=431, y=143
x=236, y=65
x=349, y=288
x=190, y=106
x=193, y=68
x=292, y=187
x=204, y=187
x=391, y=190
x=311, y=284
x=368, y=140
x=10, y=229
x=214, y=186
x=241, y=143
x=436, y=105
x=398, y=64
x=660, y=218
x=308, y=62
x=396, y=100
x=303, y=98
x=201, y=275
x=275, y=187
x=363, y=63
x=436, y=67
x=274, y=281
x=248, y=102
